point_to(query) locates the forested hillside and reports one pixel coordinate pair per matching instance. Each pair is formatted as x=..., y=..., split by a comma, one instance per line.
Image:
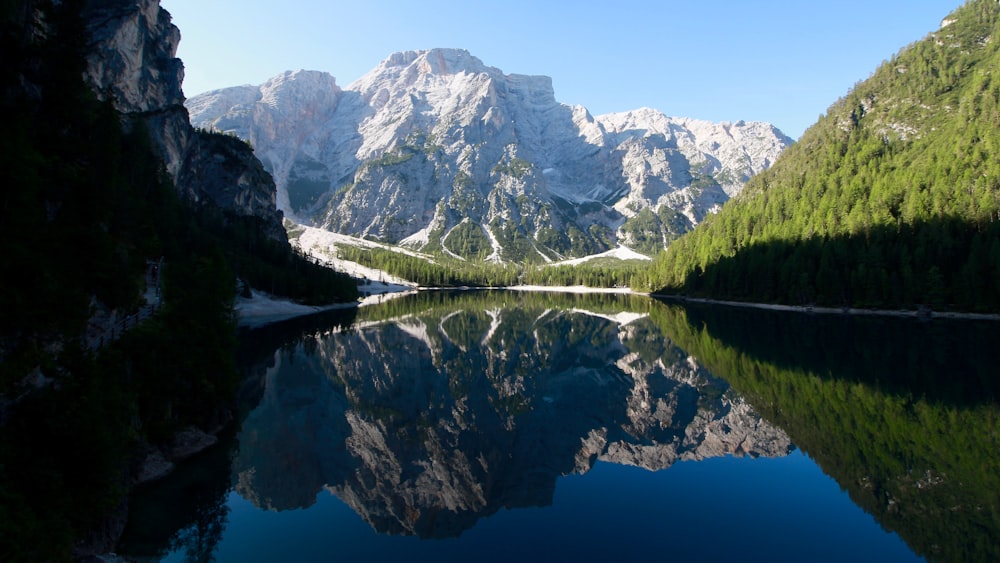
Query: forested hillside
x=891, y=200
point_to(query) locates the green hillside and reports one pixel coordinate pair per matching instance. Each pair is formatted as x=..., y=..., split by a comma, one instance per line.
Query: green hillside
x=891, y=200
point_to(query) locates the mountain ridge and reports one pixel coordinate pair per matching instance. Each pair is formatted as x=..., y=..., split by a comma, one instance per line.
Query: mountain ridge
x=429, y=139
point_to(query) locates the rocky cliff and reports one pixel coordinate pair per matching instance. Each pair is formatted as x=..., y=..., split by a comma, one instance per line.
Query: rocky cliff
x=429, y=140
x=131, y=48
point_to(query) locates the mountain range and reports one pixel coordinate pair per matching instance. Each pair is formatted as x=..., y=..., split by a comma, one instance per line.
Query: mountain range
x=437, y=151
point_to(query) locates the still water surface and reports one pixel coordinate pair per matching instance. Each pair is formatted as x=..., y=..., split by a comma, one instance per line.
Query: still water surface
x=494, y=426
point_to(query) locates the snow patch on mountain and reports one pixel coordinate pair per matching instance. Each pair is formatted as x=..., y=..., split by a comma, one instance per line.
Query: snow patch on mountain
x=621, y=253
x=495, y=245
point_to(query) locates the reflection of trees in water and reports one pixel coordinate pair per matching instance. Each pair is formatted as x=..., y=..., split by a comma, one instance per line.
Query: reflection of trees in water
x=903, y=414
x=185, y=512
x=199, y=540
x=428, y=418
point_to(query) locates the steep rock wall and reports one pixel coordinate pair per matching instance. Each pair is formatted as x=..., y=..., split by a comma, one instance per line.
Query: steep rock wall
x=131, y=61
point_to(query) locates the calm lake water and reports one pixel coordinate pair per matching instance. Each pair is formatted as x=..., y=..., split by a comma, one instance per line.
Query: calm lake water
x=500, y=426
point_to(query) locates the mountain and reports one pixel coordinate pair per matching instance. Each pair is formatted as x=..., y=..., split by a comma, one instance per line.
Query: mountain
x=891, y=200
x=435, y=150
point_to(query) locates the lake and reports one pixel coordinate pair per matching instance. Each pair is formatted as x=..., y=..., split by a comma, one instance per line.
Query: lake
x=499, y=426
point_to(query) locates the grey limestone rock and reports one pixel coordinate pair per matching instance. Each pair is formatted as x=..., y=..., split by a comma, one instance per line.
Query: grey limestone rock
x=431, y=139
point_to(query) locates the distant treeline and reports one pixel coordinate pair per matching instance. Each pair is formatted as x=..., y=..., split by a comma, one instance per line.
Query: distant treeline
x=450, y=272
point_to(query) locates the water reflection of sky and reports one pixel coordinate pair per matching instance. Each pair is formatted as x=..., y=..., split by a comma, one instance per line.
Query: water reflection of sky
x=721, y=509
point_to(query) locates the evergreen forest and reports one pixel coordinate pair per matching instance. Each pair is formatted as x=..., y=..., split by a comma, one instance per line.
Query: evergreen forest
x=440, y=270
x=891, y=200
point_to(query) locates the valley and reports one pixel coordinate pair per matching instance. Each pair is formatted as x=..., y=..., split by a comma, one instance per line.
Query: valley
x=276, y=213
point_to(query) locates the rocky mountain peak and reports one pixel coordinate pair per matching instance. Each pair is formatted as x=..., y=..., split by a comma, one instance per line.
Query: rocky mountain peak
x=420, y=70
x=434, y=61
x=300, y=88
x=430, y=140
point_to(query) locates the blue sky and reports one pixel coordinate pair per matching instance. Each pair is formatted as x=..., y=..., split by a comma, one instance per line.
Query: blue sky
x=782, y=61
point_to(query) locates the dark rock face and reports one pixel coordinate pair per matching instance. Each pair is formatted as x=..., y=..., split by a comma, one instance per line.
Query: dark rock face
x=223, y=171
x=132, y=62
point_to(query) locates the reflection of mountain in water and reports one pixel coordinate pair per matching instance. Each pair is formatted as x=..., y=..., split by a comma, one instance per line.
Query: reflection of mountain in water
x=427, y=421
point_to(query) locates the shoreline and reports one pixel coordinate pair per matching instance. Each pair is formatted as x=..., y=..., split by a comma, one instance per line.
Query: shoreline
x=573, y=289
x=263, y=309
x=899, y=313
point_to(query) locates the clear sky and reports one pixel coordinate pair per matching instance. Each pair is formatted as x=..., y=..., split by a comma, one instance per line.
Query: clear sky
x=782, y=61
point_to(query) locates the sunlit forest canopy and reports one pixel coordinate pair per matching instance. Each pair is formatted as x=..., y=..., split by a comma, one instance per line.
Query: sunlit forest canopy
x=891, y=200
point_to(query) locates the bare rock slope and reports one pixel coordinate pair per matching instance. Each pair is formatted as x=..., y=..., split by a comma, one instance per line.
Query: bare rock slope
x=437, y=150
